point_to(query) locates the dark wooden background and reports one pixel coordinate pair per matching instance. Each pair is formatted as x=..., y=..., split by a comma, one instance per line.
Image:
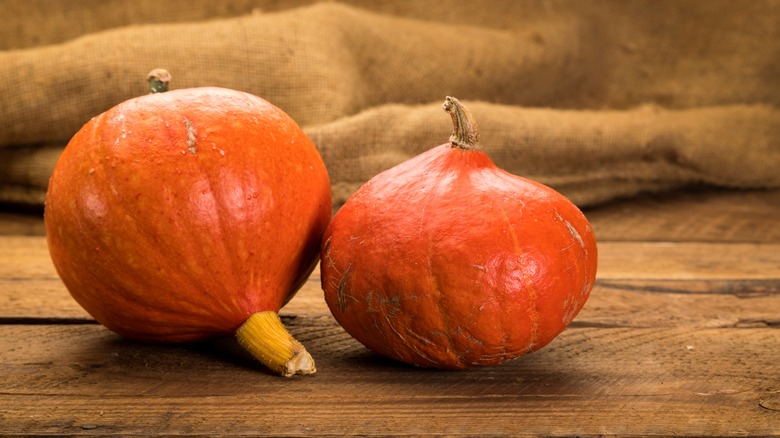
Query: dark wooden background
x=681, y=336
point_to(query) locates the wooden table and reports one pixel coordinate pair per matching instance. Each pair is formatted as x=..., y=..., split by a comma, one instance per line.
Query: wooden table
x=681, y=336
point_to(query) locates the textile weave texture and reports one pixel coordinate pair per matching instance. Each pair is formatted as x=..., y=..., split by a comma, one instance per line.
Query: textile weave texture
x=599, y=99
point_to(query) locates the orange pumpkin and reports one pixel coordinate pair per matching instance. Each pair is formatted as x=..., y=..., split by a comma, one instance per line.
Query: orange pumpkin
x=447, y=261
x=188, y=215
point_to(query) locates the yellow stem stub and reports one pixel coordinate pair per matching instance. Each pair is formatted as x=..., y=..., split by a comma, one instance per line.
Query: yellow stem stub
x=265, y=337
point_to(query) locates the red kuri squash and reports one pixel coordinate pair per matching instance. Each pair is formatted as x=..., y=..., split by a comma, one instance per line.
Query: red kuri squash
x=447, y=261
x=190, y=214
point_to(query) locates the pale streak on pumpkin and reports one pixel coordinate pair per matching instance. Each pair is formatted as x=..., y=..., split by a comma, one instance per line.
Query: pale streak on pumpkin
x=423, y=340
x=572, y=231
x=572, y=303
x=121, y=119
x=341, y=291
x=411, y=345
x=192, y=139
x=333, y=283
x=415, y=335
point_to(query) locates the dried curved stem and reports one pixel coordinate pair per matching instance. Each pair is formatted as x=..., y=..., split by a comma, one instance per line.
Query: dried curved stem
x=465, y=134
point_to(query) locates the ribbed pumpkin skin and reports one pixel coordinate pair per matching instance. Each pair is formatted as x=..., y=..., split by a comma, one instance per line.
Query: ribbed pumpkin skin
x=447, y=261
x=175, y=216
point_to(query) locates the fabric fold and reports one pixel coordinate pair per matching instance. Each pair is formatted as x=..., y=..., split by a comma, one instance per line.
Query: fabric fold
x=596, y=98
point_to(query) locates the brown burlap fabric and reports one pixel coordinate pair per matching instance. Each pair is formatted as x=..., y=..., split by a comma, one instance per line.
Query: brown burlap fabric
x=596, y=98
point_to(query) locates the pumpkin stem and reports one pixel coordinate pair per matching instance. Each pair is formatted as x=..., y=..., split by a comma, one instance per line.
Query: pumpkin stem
x=265, y=337
x=465, y=134
x=158, y=80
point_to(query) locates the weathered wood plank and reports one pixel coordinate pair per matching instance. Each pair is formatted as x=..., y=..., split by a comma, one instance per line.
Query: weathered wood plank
x=688, y=260
x=694, y=215
x=639, y=284
x=19, y=222
x=628, y=381
x=641, y=304
x=25, y=257
x=637, y=303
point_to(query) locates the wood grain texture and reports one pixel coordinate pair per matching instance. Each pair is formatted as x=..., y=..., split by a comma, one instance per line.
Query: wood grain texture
x=692, y=216
x=681, y=336
x=588, y=381
x=21, y=221
x=674, y=277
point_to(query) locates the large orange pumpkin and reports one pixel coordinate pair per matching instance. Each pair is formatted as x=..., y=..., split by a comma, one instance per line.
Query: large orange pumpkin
x=188, y=215
x=448, y=261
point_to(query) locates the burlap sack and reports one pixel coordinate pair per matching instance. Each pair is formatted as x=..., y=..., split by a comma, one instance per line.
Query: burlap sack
x=598, y=99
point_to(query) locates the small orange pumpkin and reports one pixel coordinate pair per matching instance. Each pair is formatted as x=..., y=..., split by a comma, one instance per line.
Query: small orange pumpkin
x=447, y=261
x=188, y=215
